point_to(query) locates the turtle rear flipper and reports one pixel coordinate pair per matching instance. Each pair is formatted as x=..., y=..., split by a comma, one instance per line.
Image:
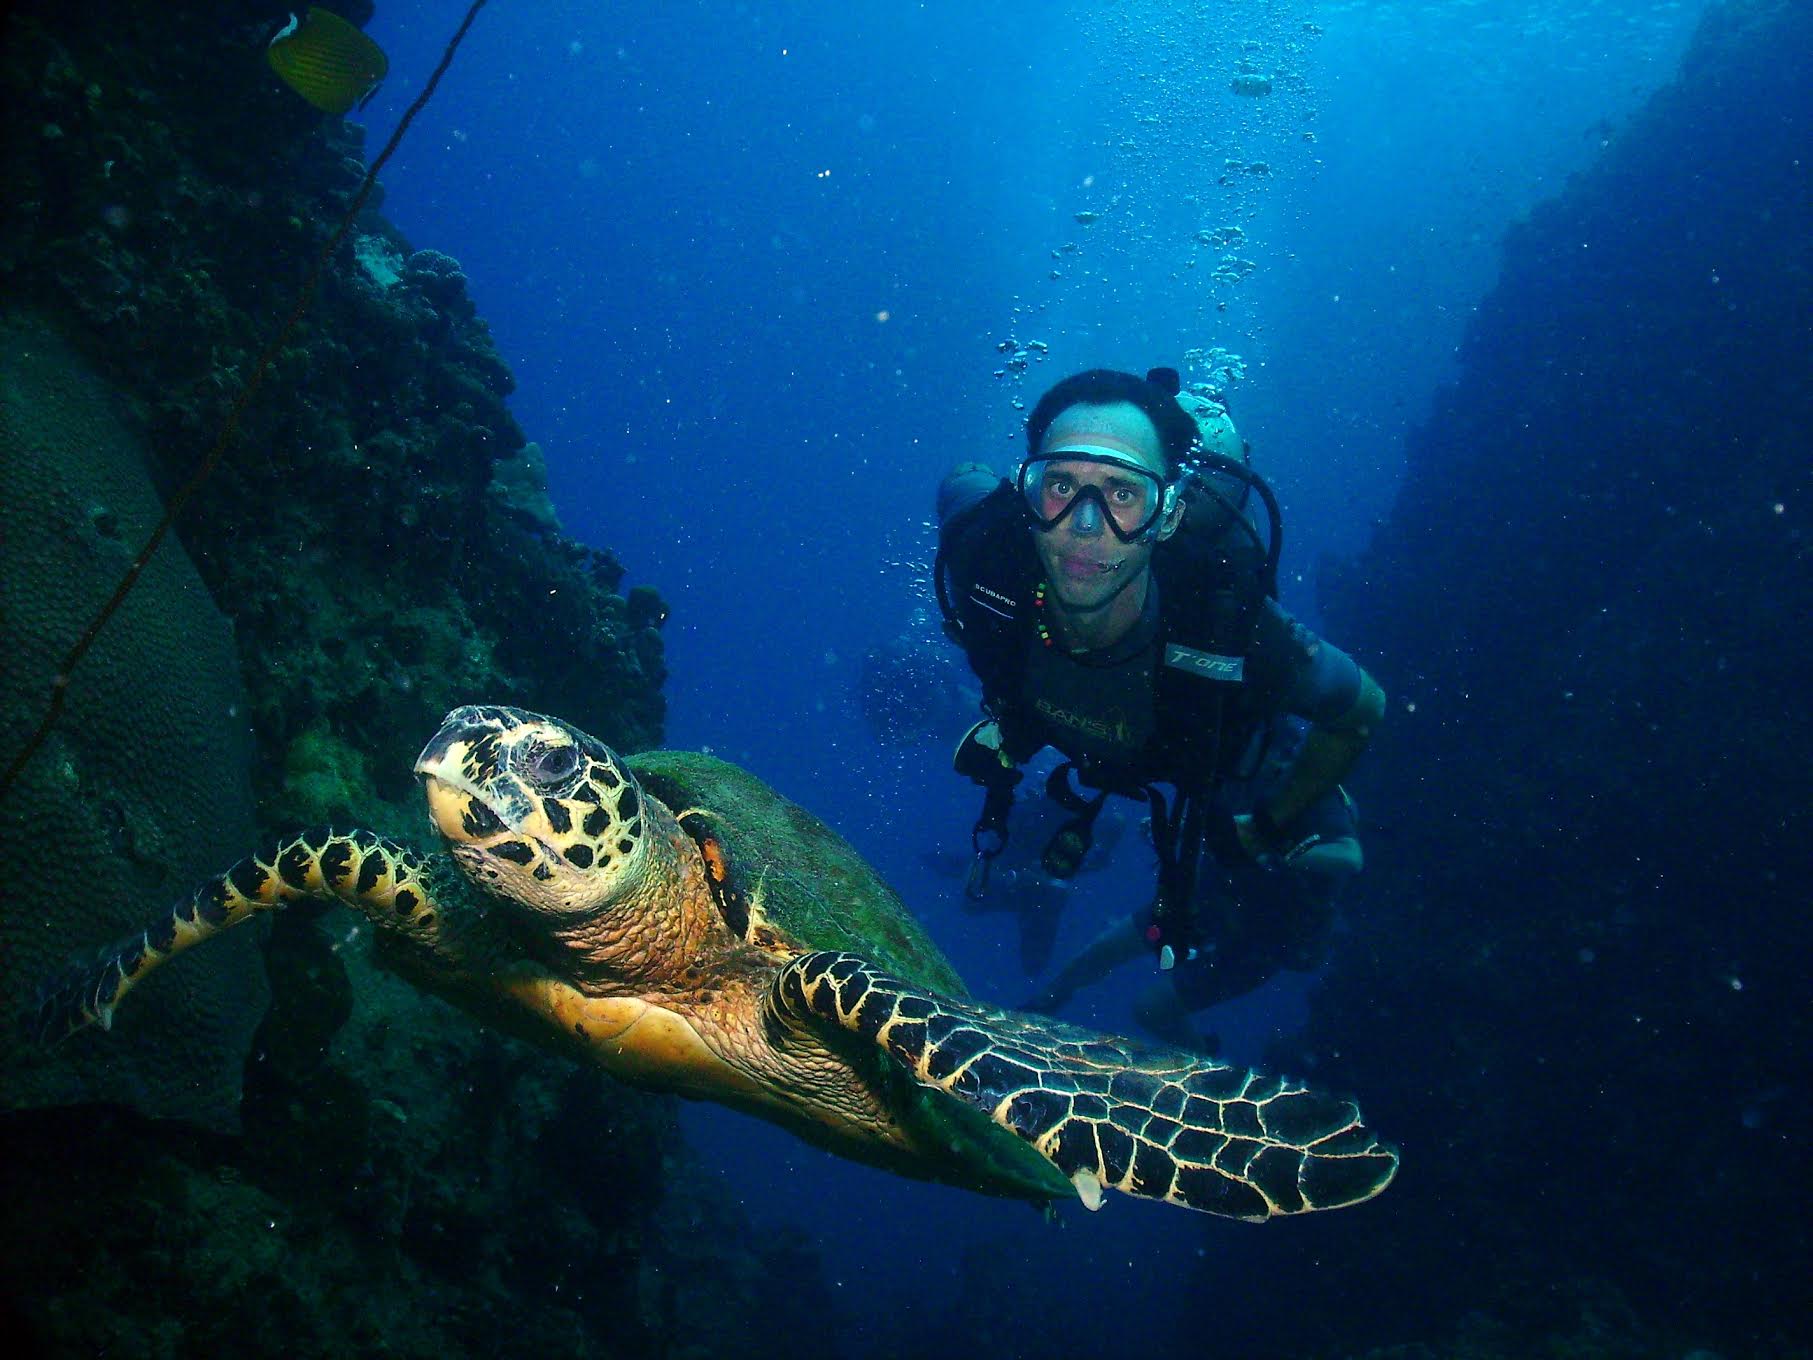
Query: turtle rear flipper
x=1155, y=1123
x=390, y=883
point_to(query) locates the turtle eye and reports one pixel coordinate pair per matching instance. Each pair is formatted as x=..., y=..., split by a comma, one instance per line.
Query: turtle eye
x=551, y=764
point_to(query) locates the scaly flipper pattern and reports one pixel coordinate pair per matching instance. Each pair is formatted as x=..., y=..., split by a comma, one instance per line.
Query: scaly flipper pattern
x=1155, y=1123
x=388, y=882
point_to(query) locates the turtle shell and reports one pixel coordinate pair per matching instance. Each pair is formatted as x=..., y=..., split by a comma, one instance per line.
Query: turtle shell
x=788, y=881
x=793, y=873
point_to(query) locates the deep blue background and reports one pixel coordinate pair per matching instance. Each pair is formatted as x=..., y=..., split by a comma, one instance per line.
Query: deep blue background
x=683, y=224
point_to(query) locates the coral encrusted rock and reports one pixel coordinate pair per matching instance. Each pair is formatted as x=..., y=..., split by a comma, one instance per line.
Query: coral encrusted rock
x=146, y=774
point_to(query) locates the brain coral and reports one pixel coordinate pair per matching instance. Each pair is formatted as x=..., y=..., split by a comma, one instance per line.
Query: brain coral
x=144, y=786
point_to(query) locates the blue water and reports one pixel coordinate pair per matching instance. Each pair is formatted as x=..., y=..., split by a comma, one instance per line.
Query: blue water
x=751, y=265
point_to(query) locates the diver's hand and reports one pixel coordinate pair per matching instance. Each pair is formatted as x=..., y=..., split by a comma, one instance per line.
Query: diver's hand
x=1252, y=844
x=1283, y=854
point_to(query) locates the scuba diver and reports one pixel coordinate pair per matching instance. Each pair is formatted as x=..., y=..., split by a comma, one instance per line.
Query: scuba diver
x=1254, y=919
x=1117, y=601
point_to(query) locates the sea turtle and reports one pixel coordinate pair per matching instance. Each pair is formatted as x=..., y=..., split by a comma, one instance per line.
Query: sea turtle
x=673, y=920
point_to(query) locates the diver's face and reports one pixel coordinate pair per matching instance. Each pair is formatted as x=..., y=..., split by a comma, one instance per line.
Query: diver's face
x=1087, y=565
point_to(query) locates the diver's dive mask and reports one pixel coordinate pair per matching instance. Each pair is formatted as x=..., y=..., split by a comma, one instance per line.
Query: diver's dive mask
x=1103, y=486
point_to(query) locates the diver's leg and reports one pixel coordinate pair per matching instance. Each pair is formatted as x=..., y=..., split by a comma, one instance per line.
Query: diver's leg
x=1041, y=908
x=1122, y=941
x=1162, y=1012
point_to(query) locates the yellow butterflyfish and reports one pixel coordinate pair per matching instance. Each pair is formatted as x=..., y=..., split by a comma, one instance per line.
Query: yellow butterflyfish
x=327, y=61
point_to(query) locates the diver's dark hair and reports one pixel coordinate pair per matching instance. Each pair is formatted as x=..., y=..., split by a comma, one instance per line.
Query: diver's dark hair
x=1155, y=394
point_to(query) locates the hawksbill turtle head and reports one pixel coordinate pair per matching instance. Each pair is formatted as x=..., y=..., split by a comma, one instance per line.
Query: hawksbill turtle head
x=534, y=810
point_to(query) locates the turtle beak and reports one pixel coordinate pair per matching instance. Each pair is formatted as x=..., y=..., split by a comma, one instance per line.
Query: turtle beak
x=458, y=767
x=436, y=753
x=466, y=740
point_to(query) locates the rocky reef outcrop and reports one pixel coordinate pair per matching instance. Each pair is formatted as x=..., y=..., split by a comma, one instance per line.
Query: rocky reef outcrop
x=167, y=197
x=1576, y=983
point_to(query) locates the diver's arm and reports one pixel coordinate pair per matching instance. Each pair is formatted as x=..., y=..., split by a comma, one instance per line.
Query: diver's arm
x=1339, y=858
x=1120, y=942
x=1330, y=750
x=1343, y=704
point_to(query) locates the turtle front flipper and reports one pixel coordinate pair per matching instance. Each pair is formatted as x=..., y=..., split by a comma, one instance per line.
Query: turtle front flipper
x=388, y=882
x=1155, y=1123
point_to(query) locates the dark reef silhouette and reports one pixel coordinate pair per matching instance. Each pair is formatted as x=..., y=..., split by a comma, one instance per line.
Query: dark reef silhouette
x=1581, y=954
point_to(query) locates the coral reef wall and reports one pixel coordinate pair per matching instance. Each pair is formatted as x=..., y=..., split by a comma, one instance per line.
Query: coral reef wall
x=369, y=529
x=150, y=766
x=376, y=532
x=1577, y=985
x=376, y=547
